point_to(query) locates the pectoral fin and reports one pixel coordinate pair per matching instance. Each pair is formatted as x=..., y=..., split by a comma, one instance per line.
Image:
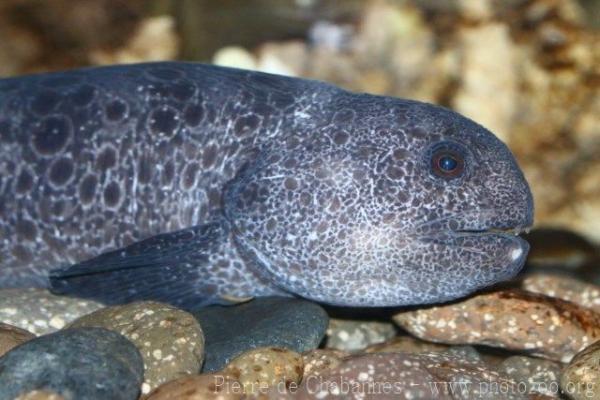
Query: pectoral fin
x=167, y=267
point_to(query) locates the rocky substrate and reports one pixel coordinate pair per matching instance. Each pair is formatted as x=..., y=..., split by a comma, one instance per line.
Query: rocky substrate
x=540, y=340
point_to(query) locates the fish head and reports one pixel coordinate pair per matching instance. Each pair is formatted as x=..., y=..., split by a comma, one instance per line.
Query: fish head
x=398, y=203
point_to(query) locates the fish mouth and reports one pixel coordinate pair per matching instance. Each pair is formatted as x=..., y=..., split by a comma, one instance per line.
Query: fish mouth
x=516, y=231
x=515, y=247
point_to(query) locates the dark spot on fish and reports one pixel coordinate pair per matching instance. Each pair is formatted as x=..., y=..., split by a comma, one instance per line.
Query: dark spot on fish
x=24, y=182
x=394, y=172
x=322, y=172
x=359, y=174
x=335, y=204
x=45, y=102
x=52, y=136
x=271, y=224
x=343, y=116
x=87, y=189
x=291, y=184
x=163, y=121
x=183, y=90
x=246, y=124
x=106, y=159
x=112, y=193
x=158, y=92
x=402, y=197
x=26, y=230
x=400, y=154
x=290, y=163
x=214, y=198
x=115, y=110
x=61, y=171
x=58, y=207
x=340, y=138
x=189, y=176
x=6, y=134
x=274, y=159
x=209, y=156
x=84, y=95
x=145, y=169
x=322, y=227
x=193, y=114
x=306, y=199
x=292, y=142
x=418, y=133
x=168, y=173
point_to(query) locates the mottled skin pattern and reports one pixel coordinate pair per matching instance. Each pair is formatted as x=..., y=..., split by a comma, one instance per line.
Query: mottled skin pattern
x=191, y=183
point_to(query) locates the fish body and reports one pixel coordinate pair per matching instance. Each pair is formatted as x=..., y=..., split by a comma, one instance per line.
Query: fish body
x=192, y=183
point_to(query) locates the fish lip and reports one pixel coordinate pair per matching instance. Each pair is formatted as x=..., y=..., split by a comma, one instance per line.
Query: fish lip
x=516, y=231
x=517, y=250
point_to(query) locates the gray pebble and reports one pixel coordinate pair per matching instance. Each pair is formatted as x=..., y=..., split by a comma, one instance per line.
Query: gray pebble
x=537, y=375
x=83, y=363
x=170, y=340
x=354, y=335
x=295, y=324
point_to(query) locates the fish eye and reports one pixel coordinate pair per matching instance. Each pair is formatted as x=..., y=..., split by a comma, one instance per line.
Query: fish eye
x=447, y=161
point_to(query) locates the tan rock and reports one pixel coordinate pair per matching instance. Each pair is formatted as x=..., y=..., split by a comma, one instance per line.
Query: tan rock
x=409, y=376
x=580, y=378
x=353, y=335
x=565, y=288
x=318, y=361
x=510, y=319
x=406, y=344
x=39, y=311
x=40, y=395
x=199, y=387
x=533, y=374
x=154, y=39
x=11, y=336
x=489, y=72
x=265, y=368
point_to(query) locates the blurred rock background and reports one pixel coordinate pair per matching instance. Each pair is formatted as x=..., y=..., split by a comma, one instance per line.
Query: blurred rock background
x=529, y=70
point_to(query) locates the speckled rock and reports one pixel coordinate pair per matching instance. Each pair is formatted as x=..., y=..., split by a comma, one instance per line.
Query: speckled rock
x=319, y=361
x=11, y=336
x=40, y=395
x=290, y=323
x=581, y=378
x=409, y=376
x=511, y=319
x=170, y=340
x=535, y=374
x=83, y=363
x=264, y=368
x=40, y=312
x=354, y=335
x=467, y=353
x=199, y=387
x=406, y=344
x=566, y=288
